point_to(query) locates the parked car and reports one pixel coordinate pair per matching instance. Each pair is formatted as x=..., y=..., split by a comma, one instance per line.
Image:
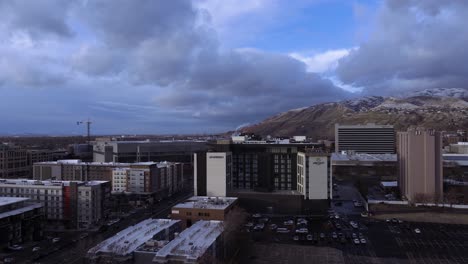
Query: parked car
x=417, y=231
x=309, y=237
x=35, y=249
x=282, y=230
x=249, y=225
x=322, y=236
x=296, y=238
x=55, y=239
x=256, y=215
x=338, y=204
x=302, y=231
x=273, y=227
x=363, y=241
x=288, y=223
x=15, y=247
x=356, y=241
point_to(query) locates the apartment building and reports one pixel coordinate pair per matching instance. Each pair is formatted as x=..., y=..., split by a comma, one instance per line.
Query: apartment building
x=72, y=204
x=203, y=242
x=148, y=178
x=20, y=220
x=370, y=138
x=420, y=165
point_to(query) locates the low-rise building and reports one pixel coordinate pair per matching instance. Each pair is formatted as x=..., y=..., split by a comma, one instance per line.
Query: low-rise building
x=121, y=247
x=363, y=165
x=20, y=220
x=201, y=243
x=203, y=208
x=73, y=204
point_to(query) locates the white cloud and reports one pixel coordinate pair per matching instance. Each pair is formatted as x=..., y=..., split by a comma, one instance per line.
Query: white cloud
x=322, y=62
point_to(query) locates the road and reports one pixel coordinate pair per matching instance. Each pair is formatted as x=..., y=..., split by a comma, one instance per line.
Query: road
x=73, y=246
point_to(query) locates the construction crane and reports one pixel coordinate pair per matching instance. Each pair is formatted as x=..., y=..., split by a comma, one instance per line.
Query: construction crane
x=88, y=126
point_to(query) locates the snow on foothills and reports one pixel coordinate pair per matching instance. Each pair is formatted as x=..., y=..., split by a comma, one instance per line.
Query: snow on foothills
x=396, y=105
x=298, y=109
x=364, y=102
x=441, y=92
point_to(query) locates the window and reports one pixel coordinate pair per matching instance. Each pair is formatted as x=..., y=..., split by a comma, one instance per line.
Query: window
x=188, y=213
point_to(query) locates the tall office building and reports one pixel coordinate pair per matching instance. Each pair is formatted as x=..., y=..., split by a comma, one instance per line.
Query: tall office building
x=370, y=138
x=420, y=165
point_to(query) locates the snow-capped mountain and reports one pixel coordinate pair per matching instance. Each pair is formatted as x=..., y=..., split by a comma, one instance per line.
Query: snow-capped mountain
x=441, y=92
x=442, y=109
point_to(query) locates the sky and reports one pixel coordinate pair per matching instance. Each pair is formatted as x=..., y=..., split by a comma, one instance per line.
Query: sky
x=208, y=66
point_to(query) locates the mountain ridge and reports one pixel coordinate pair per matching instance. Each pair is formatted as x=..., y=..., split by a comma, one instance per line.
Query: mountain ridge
x=441, y=109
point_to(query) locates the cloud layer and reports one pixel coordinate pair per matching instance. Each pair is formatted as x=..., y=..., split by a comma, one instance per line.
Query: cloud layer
x=162, y=57
x=416, y=44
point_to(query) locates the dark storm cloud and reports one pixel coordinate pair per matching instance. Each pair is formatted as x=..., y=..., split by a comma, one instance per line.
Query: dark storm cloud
x=172, y=46
x=164, y=52
x=416, y=44
x=37, y=17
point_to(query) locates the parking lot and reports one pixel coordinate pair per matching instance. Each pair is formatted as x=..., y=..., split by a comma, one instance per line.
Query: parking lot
x=330, y=239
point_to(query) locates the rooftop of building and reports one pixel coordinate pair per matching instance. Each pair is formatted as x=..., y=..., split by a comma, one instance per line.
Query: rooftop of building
x=389, y=184
x=459, y=159
x=48, y=182
x=79, y=162
x=460, y=144
x=27, y=207
x=368, y=125
x=11, y=200
x=129, y=239
x=193, y=242
x=152, y=246
x=363, y=157
x=205, y=202
x=151, y=141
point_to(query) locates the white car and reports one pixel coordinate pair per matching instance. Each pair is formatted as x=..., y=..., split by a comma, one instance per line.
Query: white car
x=282, y=230
x=302, y=231
x=35, y=249
x=289, y=222
x=363, y=241
x=15, y=247
x=55, y=239
x=417, y=231
x=356, y=241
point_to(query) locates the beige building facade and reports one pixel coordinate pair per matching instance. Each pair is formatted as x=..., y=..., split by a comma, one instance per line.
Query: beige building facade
x=420, y=165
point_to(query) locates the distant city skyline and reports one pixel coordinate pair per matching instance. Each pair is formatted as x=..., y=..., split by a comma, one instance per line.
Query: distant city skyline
x=168, y=67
